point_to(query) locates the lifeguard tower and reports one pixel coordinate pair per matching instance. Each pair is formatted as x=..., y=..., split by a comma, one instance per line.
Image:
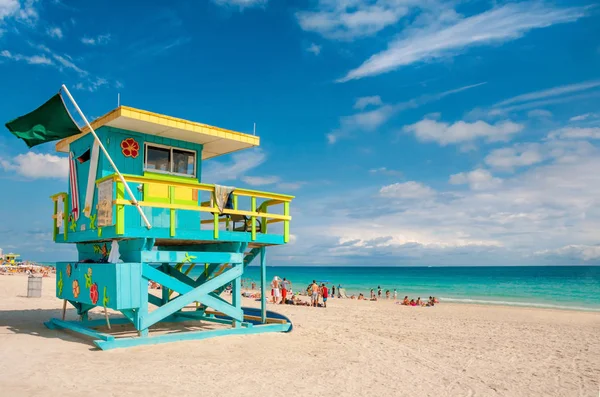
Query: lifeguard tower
x=156, y=222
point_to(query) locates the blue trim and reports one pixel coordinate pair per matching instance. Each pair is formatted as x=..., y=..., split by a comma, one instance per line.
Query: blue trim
x=183, y=336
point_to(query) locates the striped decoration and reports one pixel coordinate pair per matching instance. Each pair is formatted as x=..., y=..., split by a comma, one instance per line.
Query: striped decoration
x=74, y=188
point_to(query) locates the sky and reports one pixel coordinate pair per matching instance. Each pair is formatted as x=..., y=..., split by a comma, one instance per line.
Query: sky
x=411, y=132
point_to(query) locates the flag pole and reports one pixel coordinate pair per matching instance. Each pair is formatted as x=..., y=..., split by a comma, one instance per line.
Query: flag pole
x=129, y=192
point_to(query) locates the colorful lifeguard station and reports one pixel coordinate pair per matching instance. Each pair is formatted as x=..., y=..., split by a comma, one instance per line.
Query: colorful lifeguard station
x=139, y=213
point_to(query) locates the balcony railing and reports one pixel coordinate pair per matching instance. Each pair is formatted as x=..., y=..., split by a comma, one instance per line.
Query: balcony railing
x=174, y=194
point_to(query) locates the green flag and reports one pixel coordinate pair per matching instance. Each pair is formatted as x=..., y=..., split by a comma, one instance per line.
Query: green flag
x=49, y=122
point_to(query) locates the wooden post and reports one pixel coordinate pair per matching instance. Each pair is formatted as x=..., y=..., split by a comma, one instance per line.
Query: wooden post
x=64, y=312
x=263, y=285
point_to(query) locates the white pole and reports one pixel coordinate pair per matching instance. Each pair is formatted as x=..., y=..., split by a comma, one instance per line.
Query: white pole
x=129, y=192
x=254, y=131
x=118, y=99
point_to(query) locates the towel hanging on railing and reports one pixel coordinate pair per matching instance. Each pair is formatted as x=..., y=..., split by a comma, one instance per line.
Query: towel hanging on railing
x=223, y=197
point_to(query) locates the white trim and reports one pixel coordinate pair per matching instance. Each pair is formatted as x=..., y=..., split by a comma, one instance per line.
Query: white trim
x=171, y=148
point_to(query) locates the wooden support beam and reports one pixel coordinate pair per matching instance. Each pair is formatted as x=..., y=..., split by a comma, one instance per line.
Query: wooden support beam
x=190, y=294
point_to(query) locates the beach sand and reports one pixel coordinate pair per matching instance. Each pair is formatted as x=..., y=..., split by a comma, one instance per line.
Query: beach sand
x=352, y=348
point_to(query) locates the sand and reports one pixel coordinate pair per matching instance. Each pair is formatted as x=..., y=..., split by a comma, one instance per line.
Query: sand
x=352, y=348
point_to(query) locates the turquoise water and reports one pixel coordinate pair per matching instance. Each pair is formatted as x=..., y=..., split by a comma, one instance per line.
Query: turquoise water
x=567, y=287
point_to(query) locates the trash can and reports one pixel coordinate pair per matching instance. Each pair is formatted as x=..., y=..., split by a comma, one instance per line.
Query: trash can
x=34, y=287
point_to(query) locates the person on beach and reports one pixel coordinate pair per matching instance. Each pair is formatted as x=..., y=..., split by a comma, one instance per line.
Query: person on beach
x=419, y=302
x=395, y=295
x=413, y=303
x=333, y=291
x=275, y=292
x=314, y=293
x=253, y=286
x=379, y=292
x=387, y=294
x=284, y=290
x=372, y=294
x=324, y=294
x=406, y=302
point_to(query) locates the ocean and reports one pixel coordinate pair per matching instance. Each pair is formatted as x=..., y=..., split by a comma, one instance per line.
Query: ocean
x=564, y=287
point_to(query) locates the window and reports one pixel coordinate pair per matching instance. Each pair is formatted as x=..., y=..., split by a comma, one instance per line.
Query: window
x=170, y=160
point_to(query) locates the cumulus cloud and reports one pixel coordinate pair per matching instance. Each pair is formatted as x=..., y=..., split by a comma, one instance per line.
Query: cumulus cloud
x=348, y=20
x=365, y=101
x=444, y=133
x=407, y=190
x=36, y=165
x=575, y=133
x=514, y=157
x=478, y=179
x=498, y=25
x=55, y=32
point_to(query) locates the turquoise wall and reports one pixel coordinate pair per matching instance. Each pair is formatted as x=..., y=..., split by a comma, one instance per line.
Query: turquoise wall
x=111, y=139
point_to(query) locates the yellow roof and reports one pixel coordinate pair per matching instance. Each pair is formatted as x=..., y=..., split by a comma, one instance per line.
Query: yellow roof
x=217, y=141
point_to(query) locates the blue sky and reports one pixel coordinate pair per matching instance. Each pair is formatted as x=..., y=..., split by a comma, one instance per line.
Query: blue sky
x=411, y=132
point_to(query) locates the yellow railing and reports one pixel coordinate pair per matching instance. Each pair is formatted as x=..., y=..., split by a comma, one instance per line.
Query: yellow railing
x=171, y=188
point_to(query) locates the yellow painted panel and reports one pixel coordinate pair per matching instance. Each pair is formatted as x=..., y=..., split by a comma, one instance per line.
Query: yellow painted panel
x=182, y=193
x=158, y=190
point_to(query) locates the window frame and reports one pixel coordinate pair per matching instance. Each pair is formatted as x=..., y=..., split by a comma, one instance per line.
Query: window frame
x=170, y=172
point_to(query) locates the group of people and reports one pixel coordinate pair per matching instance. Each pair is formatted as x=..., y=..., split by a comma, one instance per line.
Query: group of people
x=411, y=302
x=282, y=293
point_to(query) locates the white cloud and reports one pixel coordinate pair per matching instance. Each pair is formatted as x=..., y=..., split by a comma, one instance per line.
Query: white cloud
x=241, y=4
x=407, y=190
x=539, y=114
x=575, y=133
x=573, y=251
x=91, y=85
x=30, y=59
x=583, y=117
x=478, y=179
x=528, y=154
x=365, y=101
x=260, y=180
x=551, y=92
x=8, y=8
x=22, y=11
x=37, y=165
x=371, y=120
x=63, y=61
x=445, y=134
x=55, y=32
x=514, y=157
x=385, y=171
x=238, y=165
x=314, y=48
x=97, y=40
x=501, y=24
x=350, y=19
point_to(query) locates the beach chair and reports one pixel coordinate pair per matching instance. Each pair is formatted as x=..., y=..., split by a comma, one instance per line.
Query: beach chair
x=246, y=224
